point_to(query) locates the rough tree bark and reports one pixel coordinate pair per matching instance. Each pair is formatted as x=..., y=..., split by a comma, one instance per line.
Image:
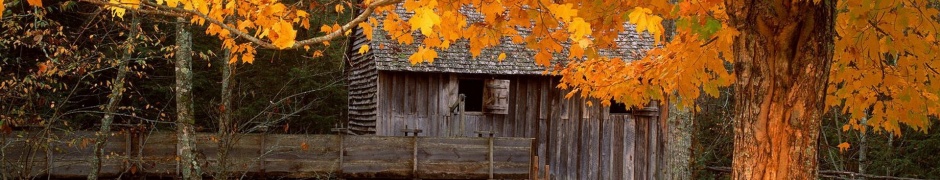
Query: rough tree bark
x=117, y=90
x=225, y=116
x=782, y=59
x=678, y=139
x=185, y=121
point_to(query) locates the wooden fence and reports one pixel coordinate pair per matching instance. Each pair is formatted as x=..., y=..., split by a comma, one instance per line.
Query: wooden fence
x=67, y=155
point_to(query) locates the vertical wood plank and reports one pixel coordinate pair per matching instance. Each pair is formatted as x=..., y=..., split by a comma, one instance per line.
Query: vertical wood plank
x=433, y=120
x=421, y=94
x=382, y=98
x=543, y=130
x=583, y=141
x=641, y=154
x=618, y=148
x=630, y=146
x=409, y=85
x=574, y=134
x=518, y=126
x=532, y=106
x=606, y=150
x=451, y=100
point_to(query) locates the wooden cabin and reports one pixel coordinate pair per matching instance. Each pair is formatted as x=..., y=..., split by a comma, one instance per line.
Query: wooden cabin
x=457, y=95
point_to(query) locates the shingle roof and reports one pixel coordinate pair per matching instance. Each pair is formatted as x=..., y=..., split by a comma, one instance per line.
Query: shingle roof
x=391, y=56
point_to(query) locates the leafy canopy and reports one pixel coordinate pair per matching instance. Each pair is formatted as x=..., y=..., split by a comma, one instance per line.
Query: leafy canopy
x=885, y=64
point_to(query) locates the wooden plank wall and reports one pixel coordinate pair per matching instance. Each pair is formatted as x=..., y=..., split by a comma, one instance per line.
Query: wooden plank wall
x=361, y=76
x=577, y=141
x=280, y=155
x=35, y=154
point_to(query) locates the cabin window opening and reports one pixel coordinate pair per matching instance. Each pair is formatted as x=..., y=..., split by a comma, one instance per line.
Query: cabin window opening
x=473, y=90
x=618, y=107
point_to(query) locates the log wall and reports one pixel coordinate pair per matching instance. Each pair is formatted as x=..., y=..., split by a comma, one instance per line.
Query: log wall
x=577, y=140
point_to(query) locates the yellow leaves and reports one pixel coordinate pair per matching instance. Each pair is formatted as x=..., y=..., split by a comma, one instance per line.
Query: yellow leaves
x=645, y=21
x=563, y=11
x=502, y=56
x=424, y=54
x=115, y=10
x=317, y=53
x=579, y=30
x=283, y=34
x=843, y=146
x=424, y=19
x=339, y=8
x=363, y=49
x=366, y=29
x=492, y=10
x=170, y=3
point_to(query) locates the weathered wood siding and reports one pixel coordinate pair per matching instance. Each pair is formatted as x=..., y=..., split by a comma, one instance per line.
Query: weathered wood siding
x=281, y=155
x=361, y=82
x=577, y=141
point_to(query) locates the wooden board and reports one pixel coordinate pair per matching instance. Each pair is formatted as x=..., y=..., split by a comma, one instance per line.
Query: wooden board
x=289, y=155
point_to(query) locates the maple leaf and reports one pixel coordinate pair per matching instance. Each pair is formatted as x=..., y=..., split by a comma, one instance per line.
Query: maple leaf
x=366, y=29
x=363, y=49
x=339, y=8
x=579, y=29
x=423, y=54
x=36, y=3
x=543, y=58
x=502, y=56
x=563, y=11
x=285, y=34
x=424, y=19
x=843, y=146
x=645, y=21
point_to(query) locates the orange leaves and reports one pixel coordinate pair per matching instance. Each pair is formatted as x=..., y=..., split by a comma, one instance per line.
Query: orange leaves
x=579, y=31
x=37, y=3
x=543, y=58
x=1, y=9
x=329, y=29
x=366, y=27
x=884, y=65
x=563, y=11
x=423, y=54
x=843, y=146
x=283, y=34
x=645, y=21
x=424, y=19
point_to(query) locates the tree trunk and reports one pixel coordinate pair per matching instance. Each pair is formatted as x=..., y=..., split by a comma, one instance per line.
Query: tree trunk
x=185, y=121
x=863, y=149
x=678, y=139
x=117, y=90
x=782, y=59
x=225, y=115
x=678, y=128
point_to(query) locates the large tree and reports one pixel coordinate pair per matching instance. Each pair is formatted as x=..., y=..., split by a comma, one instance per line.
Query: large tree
x=787, y=60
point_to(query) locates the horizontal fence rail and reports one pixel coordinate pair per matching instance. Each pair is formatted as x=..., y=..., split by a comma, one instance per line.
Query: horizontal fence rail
x=60, y=154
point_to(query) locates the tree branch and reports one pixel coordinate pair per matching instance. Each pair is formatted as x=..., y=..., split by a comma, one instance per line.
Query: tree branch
x=264, y=44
